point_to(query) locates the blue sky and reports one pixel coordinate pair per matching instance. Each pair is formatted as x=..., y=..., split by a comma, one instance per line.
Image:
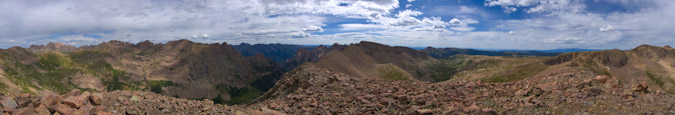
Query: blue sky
x=483, y=24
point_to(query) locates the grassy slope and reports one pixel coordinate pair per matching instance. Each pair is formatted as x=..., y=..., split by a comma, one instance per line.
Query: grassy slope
x=52, y=72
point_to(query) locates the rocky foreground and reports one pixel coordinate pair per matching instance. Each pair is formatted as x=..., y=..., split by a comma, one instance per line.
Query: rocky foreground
x=318, y=91
x=567, y=93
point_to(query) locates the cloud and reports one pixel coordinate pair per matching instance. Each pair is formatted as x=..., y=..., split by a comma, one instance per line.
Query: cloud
x=606, y=28
x=362, y=27
x=136, y=20
x=312, y=28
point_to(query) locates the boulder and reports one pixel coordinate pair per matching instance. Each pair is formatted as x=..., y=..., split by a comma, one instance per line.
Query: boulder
x=9, y=102
x=522, y=92
x=80, y=112
x=601, y=78
x=472, y=109
x=548, y=87
x=96, y=98
x=51, y=100
x=25, y=111
x=102, y=113
x=595, y=91
x=63, y=109
x=42, y=110
x=23, y=101
x=73, y=92
x=642, y=87
x=424, y=111
x=75, y=101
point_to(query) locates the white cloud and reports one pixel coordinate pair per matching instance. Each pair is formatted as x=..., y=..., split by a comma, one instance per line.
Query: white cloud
x=606, y=28
x=313, y=28
x=362, y=27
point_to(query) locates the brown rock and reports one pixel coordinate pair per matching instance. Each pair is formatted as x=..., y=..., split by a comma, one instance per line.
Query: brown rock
x=73, y=92
x=99, y=108
x=80, y=112
x=9, y=102
x=75, y=101
x=424, y=111
x=522, y=92
x=601, y=78
x=51, y=100
x=102, y=113
x=42, y=110
x=642, y=87
x=595, y=91
x=63, y=109
x=612, y=83
x=87, y=108
x=627, y=93
x=548, y=87
x=9, y=109
x=25, y=95
x=96, y=98
x=489, y=111
x=25, y=111
x=23, y=102
x=472, y=109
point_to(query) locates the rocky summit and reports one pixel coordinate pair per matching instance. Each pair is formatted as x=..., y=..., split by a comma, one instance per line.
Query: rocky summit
x=184, y=77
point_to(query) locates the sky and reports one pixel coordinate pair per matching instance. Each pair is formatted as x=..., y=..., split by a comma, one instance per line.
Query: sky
x=481, y=24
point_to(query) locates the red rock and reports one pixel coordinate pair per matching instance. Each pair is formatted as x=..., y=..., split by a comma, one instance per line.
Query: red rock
x=612, y=83
x=521, y=92
x=601, y=78
x=42, y=110
x=9, y=102
x=73, y=92
x=102, y=113
x=255, y=112
x=25, y=111
x=548, y=87
x=424, y=112
x=25, y=95
x=75, y=101
x=642, y=87
x=87, y=108
x=63, y=109
x=472, y=109
x=80, y=112
x=96, y=98
x=9, y=109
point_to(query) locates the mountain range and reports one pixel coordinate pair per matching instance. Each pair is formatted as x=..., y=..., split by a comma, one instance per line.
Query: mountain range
x=275, y=76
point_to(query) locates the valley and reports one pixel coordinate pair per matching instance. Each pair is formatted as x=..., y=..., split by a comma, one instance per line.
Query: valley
x=361, y=78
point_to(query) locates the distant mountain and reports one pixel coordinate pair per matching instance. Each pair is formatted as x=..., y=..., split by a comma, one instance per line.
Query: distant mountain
x=277, y=52
x=178, y=68
x=309, y=55
x=446, y=52
x=369, y=59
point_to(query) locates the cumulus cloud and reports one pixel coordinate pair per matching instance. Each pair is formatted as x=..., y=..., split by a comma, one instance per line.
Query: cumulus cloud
x=312, y=28
x=607, y=28
x=136, y=20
